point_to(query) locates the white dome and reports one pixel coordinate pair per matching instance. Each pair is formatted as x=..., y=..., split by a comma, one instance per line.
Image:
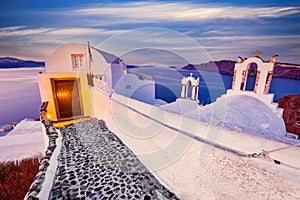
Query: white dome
x=244, y=113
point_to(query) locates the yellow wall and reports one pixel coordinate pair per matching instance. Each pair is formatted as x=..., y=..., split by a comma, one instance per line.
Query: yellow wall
x=45, y=87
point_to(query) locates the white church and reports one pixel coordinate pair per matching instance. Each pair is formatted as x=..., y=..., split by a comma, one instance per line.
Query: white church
x=180, y=142
x=82, y=81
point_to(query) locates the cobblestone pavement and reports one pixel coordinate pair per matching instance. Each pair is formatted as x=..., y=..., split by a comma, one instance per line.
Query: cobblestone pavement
x=95, y=164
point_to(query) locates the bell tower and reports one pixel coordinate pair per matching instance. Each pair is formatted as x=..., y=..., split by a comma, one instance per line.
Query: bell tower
x=186, y=83
x=262, y=81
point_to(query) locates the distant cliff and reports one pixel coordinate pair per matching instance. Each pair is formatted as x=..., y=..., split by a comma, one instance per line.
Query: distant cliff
x=9, y=62
x=291, y=114
x=281, y=70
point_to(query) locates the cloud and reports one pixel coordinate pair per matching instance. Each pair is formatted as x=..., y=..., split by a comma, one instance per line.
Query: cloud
x=222, y=29
x=149, y=12
x=42, y=41
x=11, y=28
x=229, y=47
x=21, y=31
x=83, y=31
x=39, y=43
x=292, y=38
x=73, y=31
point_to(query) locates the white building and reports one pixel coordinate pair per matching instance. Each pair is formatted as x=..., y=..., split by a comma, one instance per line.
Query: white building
x=74, y=71
x=173, y=143
x=65, y=85
x=262, y=83
x=77, y=76
x=188, y=100
x=251, y=111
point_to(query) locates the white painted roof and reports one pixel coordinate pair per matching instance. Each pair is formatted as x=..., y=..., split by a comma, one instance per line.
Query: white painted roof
x=110, y=58
x=244, y=113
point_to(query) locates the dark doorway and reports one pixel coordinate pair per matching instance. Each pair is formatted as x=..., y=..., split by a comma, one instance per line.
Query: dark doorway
x=67, y=98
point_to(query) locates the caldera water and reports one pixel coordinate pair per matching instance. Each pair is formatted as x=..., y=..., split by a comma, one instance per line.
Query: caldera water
x=212, y=84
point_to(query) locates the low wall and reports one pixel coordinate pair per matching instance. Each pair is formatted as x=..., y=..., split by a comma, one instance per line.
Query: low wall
x=102, y=86
x=178, y=149
x=164, y=141
x=223, y=137
x=36, y=186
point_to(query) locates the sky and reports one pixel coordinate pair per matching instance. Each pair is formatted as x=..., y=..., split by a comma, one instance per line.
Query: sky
x=210, y=30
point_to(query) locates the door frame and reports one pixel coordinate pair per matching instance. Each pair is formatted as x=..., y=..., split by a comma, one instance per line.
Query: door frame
x=57, y=111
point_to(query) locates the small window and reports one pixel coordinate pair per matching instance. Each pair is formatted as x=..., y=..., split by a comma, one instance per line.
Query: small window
x=77, y=61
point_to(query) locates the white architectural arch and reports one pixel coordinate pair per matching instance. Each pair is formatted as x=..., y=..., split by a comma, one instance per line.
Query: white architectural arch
x=263, y=76
x=262, y=83
x=186, y=82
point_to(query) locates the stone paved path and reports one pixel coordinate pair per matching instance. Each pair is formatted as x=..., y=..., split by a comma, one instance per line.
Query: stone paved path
x=95, y=164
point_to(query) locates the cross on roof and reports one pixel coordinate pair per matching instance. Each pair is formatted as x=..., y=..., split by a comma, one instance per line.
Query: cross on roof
x=256, y=53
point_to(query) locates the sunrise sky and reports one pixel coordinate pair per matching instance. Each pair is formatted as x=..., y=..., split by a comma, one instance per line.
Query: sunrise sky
x=33, y=29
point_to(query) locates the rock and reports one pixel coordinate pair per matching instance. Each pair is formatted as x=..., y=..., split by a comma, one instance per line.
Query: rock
x=281, y=70
x=291, y=113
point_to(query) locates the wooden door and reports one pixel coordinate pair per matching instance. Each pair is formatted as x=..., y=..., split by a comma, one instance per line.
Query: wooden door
x=67, y=98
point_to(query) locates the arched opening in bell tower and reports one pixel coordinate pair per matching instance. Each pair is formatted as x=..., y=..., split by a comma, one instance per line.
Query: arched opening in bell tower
x=252, y=77
x=189, y=89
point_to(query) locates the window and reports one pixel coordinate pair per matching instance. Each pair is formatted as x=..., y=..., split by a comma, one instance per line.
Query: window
x=77, y=61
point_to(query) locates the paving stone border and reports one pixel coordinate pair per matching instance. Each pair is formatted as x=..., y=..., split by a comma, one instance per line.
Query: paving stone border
x=86, y=171
x=95, y=164
x=52, y=134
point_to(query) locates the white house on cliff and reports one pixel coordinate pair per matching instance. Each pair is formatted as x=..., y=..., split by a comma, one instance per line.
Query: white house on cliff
x=75, y=71
x=83, y=81
x=172, y=140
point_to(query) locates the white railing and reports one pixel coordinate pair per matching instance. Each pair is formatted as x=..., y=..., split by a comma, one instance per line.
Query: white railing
x=103, y=87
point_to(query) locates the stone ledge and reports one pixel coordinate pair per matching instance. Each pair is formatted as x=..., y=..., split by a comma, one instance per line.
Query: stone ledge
x=52, y=134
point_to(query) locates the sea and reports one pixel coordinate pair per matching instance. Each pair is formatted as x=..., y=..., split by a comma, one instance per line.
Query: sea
x=212, y=84
x=20, y=98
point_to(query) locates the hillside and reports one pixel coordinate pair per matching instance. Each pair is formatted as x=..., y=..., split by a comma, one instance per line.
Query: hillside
x=8, y=62
x=281, y=70
x=291, y=114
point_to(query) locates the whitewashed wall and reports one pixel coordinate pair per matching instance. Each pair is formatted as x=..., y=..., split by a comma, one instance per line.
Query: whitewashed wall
x=61, y=61
x=155, y=136
x=143, y=115
x=130, y=86
x=117, y=72
x=98, y=63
